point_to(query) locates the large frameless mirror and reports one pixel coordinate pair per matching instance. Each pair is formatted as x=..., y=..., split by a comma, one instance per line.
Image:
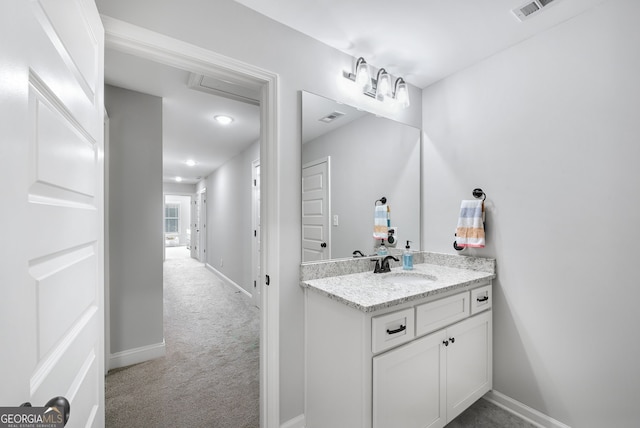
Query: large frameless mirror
x=351, y=159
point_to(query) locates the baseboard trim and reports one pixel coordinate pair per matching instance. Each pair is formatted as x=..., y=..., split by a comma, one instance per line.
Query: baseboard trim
x=297, y=422
x=137, y=355
x=227, y=279
x=523, y=411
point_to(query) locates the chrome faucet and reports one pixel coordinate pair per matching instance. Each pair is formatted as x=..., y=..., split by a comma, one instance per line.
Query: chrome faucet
x=382, y=264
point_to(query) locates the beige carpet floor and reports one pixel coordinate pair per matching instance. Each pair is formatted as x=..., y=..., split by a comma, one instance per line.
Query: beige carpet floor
x=210, y=374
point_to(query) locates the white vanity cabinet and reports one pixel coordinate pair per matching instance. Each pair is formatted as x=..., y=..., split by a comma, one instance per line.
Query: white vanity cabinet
x=431, y=380
x=435, y=363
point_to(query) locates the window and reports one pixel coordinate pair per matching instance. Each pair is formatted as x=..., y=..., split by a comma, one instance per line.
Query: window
x=171, y=218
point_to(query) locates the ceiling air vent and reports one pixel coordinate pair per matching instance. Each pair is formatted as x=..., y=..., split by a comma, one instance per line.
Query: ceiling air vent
x=527, y=10
x=331, y=117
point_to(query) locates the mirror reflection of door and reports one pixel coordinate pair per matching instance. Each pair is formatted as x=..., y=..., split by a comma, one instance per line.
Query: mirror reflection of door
x=316, y=234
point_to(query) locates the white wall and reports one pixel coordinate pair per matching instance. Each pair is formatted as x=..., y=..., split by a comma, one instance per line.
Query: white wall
x=371, y=157
x=549, y=129
x=135, y=219
x=184, y=216
x=229, y=218
x=228, y=28
x=178, y=188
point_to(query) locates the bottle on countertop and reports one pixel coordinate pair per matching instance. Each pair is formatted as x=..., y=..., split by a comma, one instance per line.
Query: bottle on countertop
x=407, y=257
x=382, y=249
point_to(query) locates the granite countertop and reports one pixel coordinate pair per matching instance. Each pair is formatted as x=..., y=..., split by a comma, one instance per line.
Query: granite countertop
x=368, y=291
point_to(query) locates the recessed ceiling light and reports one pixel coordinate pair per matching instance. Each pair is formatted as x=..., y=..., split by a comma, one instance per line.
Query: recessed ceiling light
x=178, y=179
x=191, y=162
x=223, y=120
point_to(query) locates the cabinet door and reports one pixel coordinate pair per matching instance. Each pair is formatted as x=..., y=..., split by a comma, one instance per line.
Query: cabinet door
x=408, y=385
x=468, y=362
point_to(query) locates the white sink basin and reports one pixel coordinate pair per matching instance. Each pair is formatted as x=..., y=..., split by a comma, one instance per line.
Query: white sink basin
x=409, y=278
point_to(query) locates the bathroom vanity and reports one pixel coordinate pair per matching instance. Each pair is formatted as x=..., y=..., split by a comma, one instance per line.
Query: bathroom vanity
x=399, y=349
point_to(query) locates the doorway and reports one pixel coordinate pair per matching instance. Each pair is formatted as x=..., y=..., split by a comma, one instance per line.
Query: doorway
x=177, y=225
x=199, y=227
x=135, y=40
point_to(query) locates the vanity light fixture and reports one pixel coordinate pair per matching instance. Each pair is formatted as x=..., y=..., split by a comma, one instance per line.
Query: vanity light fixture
x=223, y=120
x=379, y=88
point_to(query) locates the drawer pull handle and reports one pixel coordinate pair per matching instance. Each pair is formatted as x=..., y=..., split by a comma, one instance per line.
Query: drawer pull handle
x=482, y=299
x=402, y=328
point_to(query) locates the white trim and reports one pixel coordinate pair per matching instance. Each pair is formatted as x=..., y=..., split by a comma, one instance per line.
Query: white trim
x=226, y=279
x=138, y=41
x=523, y=411
x=137, y=355
x=106, y=261
x=270, y=253
x=297, y=422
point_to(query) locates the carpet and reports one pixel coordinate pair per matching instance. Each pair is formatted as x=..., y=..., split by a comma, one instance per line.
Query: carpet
x=210, y=374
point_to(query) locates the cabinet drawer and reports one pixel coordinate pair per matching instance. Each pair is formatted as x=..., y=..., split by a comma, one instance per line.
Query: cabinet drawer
x=437, y=314
x=480, y=299
x=392, y=329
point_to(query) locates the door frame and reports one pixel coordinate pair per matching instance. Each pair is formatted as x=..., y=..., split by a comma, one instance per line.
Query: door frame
x=134, y=40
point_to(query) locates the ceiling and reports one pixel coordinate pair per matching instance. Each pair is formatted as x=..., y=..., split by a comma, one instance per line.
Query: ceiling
x=420, y=40
x=188, y=128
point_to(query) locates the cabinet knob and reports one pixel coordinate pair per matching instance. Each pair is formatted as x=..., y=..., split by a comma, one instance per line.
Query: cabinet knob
x=452, y=339
x=323, y=245
x=445, y=342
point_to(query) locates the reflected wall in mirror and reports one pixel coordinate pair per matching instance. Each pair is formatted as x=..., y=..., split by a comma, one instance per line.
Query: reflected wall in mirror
x=350, y=159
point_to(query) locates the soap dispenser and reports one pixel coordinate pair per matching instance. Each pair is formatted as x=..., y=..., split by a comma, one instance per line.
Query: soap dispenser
x=407, y=258
x=382, y=250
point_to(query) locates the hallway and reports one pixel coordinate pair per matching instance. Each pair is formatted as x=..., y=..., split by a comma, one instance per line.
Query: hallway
x=210, y=374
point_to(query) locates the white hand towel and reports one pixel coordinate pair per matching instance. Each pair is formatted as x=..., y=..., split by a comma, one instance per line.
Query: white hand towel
x=380, y=228
x=470, y=230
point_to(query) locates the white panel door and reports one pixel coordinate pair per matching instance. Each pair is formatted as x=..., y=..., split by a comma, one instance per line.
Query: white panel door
x=51, y=170
x=201, y=231
x=195, y=226
x=316, y=235
x=469, y=362
x=257, y=284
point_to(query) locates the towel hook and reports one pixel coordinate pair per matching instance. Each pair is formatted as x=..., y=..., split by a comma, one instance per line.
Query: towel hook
x=478, y=193
x=382, y=200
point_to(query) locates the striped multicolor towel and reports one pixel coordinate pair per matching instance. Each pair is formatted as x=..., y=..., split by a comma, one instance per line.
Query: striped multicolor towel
x=470, y=231
x=380, y=228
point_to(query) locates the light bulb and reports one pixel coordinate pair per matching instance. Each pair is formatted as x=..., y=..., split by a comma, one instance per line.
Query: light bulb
x=363, y=77
x=402, y=93
x=383, y=88
x=223, y=120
